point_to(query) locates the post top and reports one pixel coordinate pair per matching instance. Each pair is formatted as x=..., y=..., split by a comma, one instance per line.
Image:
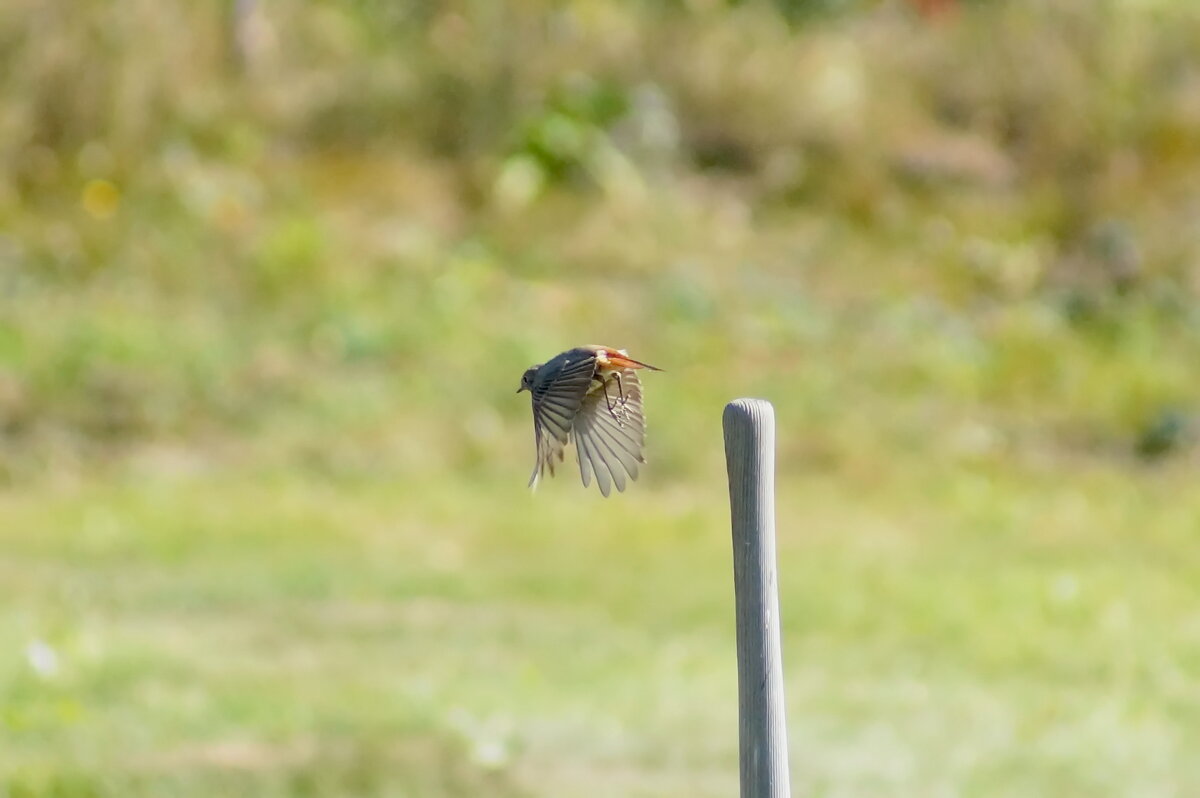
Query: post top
x=754, y=411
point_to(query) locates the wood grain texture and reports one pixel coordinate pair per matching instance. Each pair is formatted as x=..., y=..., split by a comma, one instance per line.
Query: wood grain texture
x=750, y=459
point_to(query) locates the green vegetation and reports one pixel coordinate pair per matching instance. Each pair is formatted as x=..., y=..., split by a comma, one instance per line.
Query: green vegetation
x=263, y=310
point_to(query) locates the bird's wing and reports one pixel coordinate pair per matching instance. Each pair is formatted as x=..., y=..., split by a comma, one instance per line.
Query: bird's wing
x=556, y=401
x=610, y=433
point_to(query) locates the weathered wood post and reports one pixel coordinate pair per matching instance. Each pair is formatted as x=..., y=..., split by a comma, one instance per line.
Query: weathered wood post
x=750, y=459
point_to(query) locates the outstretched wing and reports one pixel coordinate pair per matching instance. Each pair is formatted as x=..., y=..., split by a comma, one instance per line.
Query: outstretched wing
x=557, y=396
x=610, y=432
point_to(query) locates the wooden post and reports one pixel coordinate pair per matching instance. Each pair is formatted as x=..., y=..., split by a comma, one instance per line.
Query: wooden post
x=750, y=459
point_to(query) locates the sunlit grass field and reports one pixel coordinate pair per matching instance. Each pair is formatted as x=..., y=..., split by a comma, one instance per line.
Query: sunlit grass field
x=959, y=631
x=265, y=301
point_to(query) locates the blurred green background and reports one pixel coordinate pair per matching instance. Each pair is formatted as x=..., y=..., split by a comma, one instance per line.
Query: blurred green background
x=270, y=273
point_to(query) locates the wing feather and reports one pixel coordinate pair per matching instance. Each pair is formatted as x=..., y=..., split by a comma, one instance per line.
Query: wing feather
x=609, y=442
x=590, y=461
x=556, y=402
x=597, y=453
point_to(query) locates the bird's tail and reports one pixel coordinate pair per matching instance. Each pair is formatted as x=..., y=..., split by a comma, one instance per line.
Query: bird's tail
x=622, y=360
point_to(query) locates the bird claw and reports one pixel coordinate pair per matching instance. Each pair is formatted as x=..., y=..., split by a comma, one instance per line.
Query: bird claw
x=618, y=404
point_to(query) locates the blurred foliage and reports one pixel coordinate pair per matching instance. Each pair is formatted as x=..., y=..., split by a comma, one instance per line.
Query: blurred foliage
x=261, y=219
x=301, y=245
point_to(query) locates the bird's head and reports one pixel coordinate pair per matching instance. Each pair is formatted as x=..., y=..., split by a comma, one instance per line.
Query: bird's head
x=527, y=378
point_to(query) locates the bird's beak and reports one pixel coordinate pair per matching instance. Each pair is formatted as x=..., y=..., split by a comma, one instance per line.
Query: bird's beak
x=522, y=388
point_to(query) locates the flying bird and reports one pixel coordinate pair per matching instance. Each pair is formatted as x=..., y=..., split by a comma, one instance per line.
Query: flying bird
x=592, y=395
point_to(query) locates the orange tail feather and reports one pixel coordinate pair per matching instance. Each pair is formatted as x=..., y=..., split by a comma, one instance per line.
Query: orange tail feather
x=626, y=362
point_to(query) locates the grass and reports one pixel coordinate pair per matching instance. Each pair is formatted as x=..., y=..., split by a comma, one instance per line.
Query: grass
x=261, y=464
x=263, y=633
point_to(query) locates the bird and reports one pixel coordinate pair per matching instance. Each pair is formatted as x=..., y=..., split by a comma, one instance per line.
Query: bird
x=592, y=395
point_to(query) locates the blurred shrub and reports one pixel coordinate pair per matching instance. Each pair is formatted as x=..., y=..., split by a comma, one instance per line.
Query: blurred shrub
x=564, y=135
x=221, y=222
